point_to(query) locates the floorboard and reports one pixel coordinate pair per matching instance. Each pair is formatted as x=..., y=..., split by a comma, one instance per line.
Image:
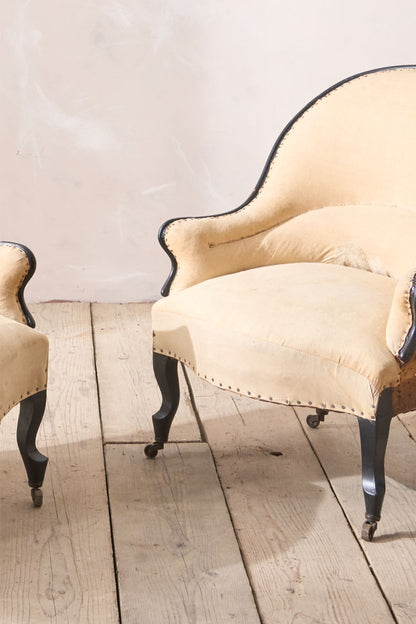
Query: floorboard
x=128, y=391
x=56, y=562
x=259, y=524
x=393, y=550
x=177, y=556
x=304, y=563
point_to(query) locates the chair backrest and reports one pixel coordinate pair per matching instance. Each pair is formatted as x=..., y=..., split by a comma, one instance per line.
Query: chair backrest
x=338, y=187
x=353, y=146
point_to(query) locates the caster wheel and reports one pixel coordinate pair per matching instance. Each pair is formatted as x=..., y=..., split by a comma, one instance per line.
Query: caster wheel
x=313, y=421
x=151, y=450
x=367, y=531
x=37, y=497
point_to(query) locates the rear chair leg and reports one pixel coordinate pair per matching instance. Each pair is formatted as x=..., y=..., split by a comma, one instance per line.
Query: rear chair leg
x=374, y=436
x=30, y=417
x=166, y=373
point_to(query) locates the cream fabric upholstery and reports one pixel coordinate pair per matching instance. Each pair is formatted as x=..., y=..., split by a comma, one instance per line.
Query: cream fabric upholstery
x=23, y=363
x=14, y=268
x=302, y=295
x=400, y=316
x=291, y=333
x=330, y=157
x=23, y=350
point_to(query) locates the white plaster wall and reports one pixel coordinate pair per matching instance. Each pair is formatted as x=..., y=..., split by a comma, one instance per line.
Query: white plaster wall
x=118, y=115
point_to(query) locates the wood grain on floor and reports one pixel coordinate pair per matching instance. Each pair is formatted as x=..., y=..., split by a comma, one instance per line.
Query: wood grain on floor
x=255, y=520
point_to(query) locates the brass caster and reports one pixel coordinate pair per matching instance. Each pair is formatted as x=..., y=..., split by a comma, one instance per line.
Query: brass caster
x=151, y=450
x=368, y=529
x=37, y=497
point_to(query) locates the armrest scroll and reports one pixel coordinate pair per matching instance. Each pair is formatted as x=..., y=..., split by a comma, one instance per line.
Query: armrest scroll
x=199, y=247
x=17, y=265
x=204, y=247
x=401, y=324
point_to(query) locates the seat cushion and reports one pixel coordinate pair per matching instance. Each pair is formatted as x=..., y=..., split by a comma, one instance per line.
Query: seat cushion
x=23, y=362
x=302, y=334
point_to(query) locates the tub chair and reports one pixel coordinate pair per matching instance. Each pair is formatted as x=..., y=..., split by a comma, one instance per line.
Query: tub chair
x=305, y=295
x=23, y=360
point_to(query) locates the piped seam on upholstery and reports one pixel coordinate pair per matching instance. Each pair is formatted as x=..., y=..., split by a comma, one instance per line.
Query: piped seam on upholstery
x=241, y=238
x=213, y=244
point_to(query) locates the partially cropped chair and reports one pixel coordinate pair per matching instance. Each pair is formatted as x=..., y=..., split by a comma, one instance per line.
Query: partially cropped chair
x=23, y=360
x=306, y=294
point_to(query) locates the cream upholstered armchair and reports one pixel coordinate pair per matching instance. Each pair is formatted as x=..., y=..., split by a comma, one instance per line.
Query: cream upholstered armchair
x=305, y=295
x=23, y=360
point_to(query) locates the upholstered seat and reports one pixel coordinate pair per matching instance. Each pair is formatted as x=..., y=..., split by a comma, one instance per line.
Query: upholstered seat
x=23, y=360
x=260, y=331
x=306, y=294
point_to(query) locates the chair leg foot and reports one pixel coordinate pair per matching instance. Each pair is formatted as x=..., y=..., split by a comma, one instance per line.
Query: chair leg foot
x=37, y=497
x=374, y=436
x=166, y=373
x=314, y=420
x=367, y=530
x=30, y=417
x=151, y=450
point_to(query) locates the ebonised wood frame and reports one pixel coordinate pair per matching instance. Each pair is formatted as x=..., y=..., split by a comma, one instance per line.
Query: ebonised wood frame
x=32, y=408
x=166, y=373
x=373, y=434
x=409, y=345
x=32, y=268
x=30, y=417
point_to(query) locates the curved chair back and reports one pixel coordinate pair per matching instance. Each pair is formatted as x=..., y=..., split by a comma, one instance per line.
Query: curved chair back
x=350, y=155
x=354, y=144
x=339, y=187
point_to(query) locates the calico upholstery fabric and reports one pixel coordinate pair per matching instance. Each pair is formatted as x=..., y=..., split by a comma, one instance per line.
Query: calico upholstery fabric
x=23, y=350
x=23, y=363
x=290, y=333
x=14, y=268
x=302, y=295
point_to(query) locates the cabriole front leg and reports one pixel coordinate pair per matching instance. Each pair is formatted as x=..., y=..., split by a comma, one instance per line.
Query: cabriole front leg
x=166, y=373
x=374, y=436
x=30, y=417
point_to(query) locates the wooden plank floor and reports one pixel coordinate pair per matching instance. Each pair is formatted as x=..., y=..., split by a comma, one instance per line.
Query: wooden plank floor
x=255, y=519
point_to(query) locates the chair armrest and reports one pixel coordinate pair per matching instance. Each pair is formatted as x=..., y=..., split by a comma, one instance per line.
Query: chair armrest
x=401, y=324
x=17, y=265
x=204, y=247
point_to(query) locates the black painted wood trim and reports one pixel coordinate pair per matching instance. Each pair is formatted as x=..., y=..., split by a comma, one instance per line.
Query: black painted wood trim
x=161, y=236
x=166, y=372
x=409, y=345
x=20, y=294
x=374, y=437
x=30, y=418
